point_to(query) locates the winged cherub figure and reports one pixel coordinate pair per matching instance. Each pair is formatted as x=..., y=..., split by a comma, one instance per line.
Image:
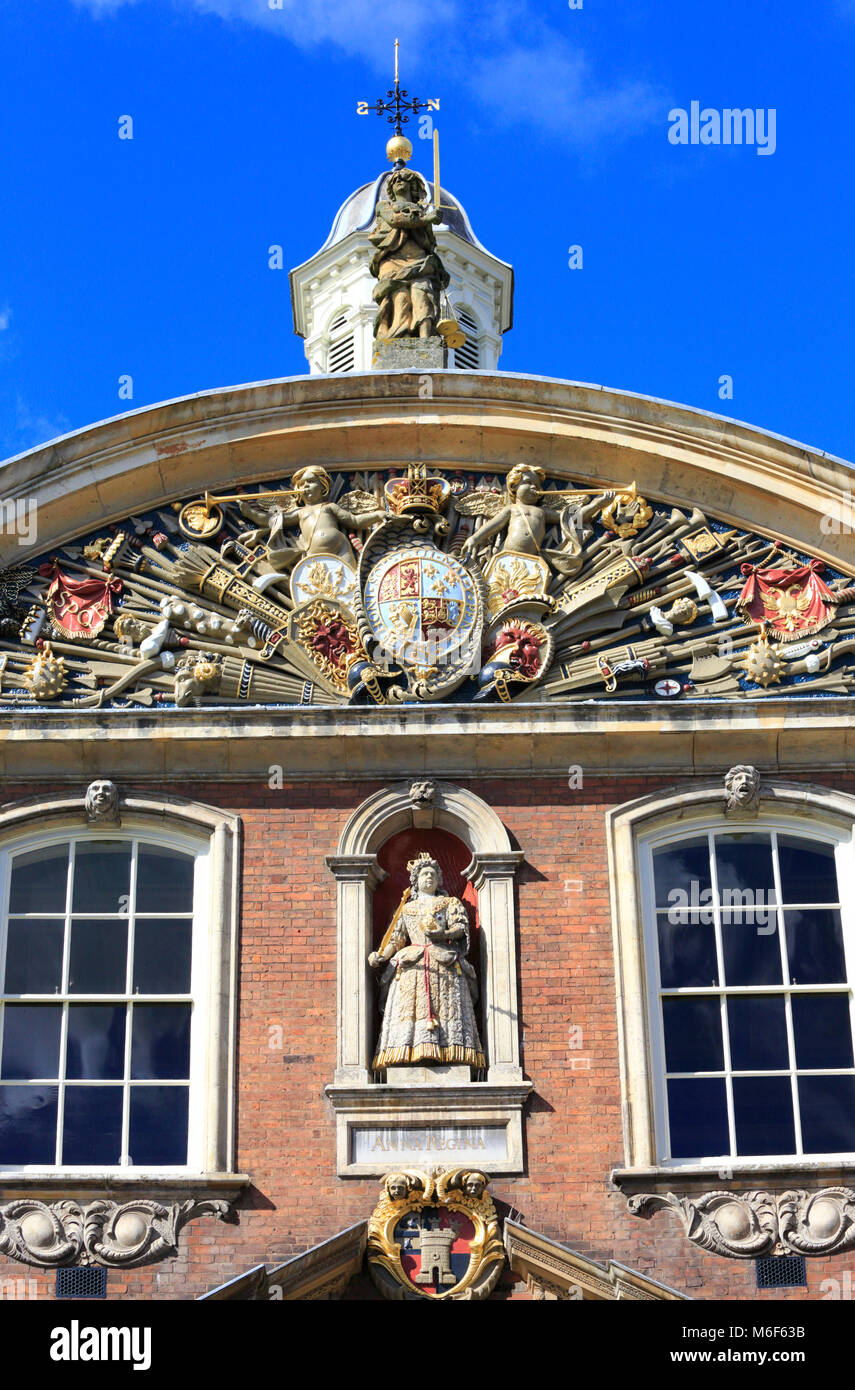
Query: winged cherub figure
x=323, y=524
x=525, y=511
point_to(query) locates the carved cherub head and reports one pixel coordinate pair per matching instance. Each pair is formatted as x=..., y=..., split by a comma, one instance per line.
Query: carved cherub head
x=398, y=1186
x=474, y=1184
x=425, y=874
x=101, y=803
x=524, y=483
x=311, y=484
x=742, y=789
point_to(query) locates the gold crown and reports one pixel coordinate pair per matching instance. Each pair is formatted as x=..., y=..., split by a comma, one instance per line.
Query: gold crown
x=417, y=492
x=424, y=857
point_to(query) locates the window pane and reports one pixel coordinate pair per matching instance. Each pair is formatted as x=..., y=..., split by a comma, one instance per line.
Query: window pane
x=158, y=1132
x=102, y=876
x=162, y=955
x=763, y=1115
x=28, y=1125
x=745, y=874
x=34, y=956
x=823, y=1031
x=698, y=1118
x=815, y=947
x=751, y=947
x=99, y=952
x=164, y=880
x=30, y=1042
x=685, y=867
x=96, y=1042
x=827, y=1105
x=92, y=1129
x=39, y=880
x=693, y=1034
x=758, y=1035
x=808, y=873
x=160, y=1049
x=686, y=949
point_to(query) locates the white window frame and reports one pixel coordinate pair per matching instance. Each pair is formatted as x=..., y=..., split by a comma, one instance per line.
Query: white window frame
x=812, y=811
x=212, y=838
x=714, y=825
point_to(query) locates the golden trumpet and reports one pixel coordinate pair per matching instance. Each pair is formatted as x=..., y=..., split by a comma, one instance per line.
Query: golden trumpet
x=198, y=521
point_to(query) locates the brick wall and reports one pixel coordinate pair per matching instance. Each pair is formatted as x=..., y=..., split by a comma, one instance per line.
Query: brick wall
x=286, y=1134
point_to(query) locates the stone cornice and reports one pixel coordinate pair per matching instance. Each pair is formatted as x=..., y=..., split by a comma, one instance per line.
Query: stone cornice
x=778, y=736
x=473, y=420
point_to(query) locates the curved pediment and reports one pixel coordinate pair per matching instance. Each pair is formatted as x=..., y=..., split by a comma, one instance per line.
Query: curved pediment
x=563, y=543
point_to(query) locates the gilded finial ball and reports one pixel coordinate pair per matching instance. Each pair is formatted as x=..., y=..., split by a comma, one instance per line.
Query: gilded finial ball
x=399, y=149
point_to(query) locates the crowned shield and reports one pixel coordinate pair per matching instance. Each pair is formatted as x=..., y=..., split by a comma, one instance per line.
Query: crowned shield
x=424, y=609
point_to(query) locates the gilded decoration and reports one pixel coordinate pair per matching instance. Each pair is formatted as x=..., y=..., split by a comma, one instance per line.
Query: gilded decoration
x=435, y=1236
x=401, y=587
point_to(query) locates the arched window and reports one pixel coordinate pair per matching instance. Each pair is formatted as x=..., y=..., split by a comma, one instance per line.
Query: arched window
x=114, y=1019
x=341, y=353
x=749, y=957
x=735, y=942
x=468, y=357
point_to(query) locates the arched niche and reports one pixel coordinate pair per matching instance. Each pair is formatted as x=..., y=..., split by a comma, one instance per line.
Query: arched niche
x=406, y=809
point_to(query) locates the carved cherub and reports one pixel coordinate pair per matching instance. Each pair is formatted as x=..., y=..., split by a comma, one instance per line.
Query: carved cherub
x=322, y=523
x=524, y=512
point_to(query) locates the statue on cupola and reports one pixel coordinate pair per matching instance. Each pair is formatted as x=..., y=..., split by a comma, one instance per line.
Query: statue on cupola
x=410, y=275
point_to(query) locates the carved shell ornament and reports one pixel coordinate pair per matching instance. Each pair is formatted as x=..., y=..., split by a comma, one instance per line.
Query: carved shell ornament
x=119, y=1235
x=400, y=587
x=748, y=1225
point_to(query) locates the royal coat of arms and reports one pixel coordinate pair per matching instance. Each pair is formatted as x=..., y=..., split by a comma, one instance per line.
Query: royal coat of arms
x=424, y=611
x=435, y=1236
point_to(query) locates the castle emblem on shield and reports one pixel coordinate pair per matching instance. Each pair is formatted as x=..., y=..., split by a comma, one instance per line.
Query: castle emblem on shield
x=435, y=1236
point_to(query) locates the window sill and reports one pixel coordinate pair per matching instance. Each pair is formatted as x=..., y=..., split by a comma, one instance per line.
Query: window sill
x=52, y=1183
x=737, y=1176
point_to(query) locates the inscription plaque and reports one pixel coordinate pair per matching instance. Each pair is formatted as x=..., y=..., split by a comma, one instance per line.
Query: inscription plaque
x=391, y=1147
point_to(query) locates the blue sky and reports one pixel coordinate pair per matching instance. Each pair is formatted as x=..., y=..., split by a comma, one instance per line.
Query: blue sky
x=148, y=257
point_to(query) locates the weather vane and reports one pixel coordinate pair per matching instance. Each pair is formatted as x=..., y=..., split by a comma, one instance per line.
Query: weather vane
x=397, y=102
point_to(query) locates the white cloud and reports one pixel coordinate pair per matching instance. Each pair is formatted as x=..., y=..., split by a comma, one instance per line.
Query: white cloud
x=5, y=318
x=543, y=82
x=550, y=85
x=34, y=427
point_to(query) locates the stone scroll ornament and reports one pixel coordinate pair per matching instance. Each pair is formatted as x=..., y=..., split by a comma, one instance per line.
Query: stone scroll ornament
x=748, y=1225
x=118, y=1235
x=435, y=1236
x=403, y=587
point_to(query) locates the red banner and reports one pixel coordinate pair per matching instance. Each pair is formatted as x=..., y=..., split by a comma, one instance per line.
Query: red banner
x=791, y=602
x=80, y=606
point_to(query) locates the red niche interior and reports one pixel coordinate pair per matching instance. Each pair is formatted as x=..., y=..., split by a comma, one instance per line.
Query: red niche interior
x=452, y=856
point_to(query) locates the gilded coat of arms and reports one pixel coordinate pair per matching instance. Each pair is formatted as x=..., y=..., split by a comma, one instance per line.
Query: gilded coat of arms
x=435, y=1236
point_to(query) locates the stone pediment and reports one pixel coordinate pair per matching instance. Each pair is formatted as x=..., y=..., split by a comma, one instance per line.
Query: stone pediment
x=550, y=1270
x=376, y=585
x=553, y=1272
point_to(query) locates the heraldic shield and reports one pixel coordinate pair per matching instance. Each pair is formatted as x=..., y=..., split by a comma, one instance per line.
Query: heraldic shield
x=435, y=1236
